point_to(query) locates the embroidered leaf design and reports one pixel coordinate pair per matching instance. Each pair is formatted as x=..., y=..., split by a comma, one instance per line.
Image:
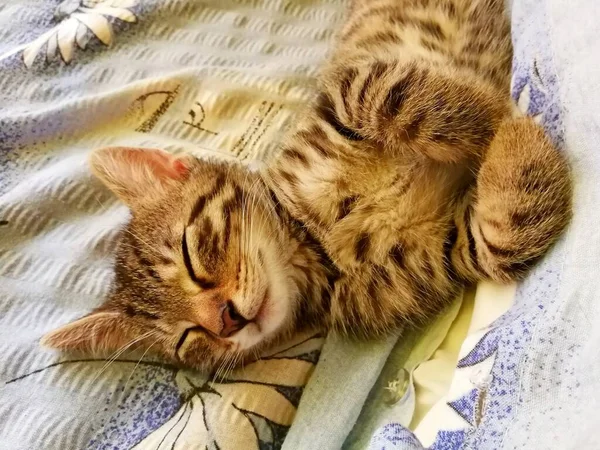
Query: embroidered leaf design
x=79, y=22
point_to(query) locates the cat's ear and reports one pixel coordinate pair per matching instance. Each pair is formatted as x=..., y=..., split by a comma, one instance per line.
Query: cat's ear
x=98, y=332
x=136, y=173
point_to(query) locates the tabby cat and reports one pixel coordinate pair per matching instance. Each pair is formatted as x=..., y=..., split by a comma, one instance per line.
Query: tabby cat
x=408, y=177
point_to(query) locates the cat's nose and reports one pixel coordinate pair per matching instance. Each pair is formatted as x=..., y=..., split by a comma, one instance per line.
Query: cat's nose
x=233, y=321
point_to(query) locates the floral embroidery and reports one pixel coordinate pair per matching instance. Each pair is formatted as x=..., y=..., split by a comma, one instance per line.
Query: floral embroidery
x=258, y=402
x=162, y=406
x=80, y=21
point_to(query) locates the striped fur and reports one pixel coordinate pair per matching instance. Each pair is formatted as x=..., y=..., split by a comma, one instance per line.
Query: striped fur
x=409, y=168
x=406, y=178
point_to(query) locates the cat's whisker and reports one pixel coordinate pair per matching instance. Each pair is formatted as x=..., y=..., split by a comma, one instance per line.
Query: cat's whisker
x=216, y=372
x=224, y=360
x=257, y=355
x=147, y=244
x=120, y=351
x=230, y=366
x=103, y=207
x=140, y=360
x=241, y=363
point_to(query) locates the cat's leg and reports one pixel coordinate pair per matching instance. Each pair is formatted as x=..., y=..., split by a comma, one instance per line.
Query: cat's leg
x=394, y=269
x=518, y=208
x=442, y=113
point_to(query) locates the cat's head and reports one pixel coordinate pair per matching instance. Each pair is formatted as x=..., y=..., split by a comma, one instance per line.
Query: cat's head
x=204, y=268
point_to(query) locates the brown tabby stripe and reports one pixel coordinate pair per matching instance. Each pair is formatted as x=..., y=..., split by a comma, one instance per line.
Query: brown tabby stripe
x=372, y=290
x=392, y=14
x=432, y=28
x=326, y=111
x=345, y=86
x=529, y=218
x=397, y=95
x=153, y=274
x=468, y=60
x=326, y=297
x=397, y=18
x=476, y=46
x=206, y=229
x=290, y=178
x=449, y=9
x=317, y=144
x=362, y=246
x=205, y=198
x=383, y=12
x=397, y=254
x=377, y=70
x=218, y=187
x=197, y=209
x=165, y=260
x=480, y=120
x=497, y=251
x=310, y=136
x=346, y=205
x=472, y=245
x=412, y=129
x=380, y=38
x=520, y=267
x=133, y=310
x=145, y=263
x=135, y=248
x=186, y=257
x=384, y=275
x=432, y=45
x=304, y=312
x=208, y=245
x=228, y=207
x=297, y=155
x=531, y=182
x=427, y=266
x=449, y=244
x=208, y=250
x=279, y=210
x=494, y=223
x=202, y=282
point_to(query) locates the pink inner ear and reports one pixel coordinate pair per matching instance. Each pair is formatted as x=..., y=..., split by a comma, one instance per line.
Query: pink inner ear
x=180, y=167
x=136, y=173
x=162, y=163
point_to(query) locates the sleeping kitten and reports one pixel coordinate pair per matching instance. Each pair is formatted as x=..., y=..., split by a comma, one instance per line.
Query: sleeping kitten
x=406, y=178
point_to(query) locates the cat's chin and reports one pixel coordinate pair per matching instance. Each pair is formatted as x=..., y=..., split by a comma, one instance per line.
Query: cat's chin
x=270, y=320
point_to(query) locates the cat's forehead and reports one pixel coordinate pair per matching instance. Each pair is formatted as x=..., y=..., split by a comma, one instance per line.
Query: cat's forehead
x=208, y=204
x=207, y=184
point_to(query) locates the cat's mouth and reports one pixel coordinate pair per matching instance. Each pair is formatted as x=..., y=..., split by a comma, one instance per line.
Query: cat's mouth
x=258, y=319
